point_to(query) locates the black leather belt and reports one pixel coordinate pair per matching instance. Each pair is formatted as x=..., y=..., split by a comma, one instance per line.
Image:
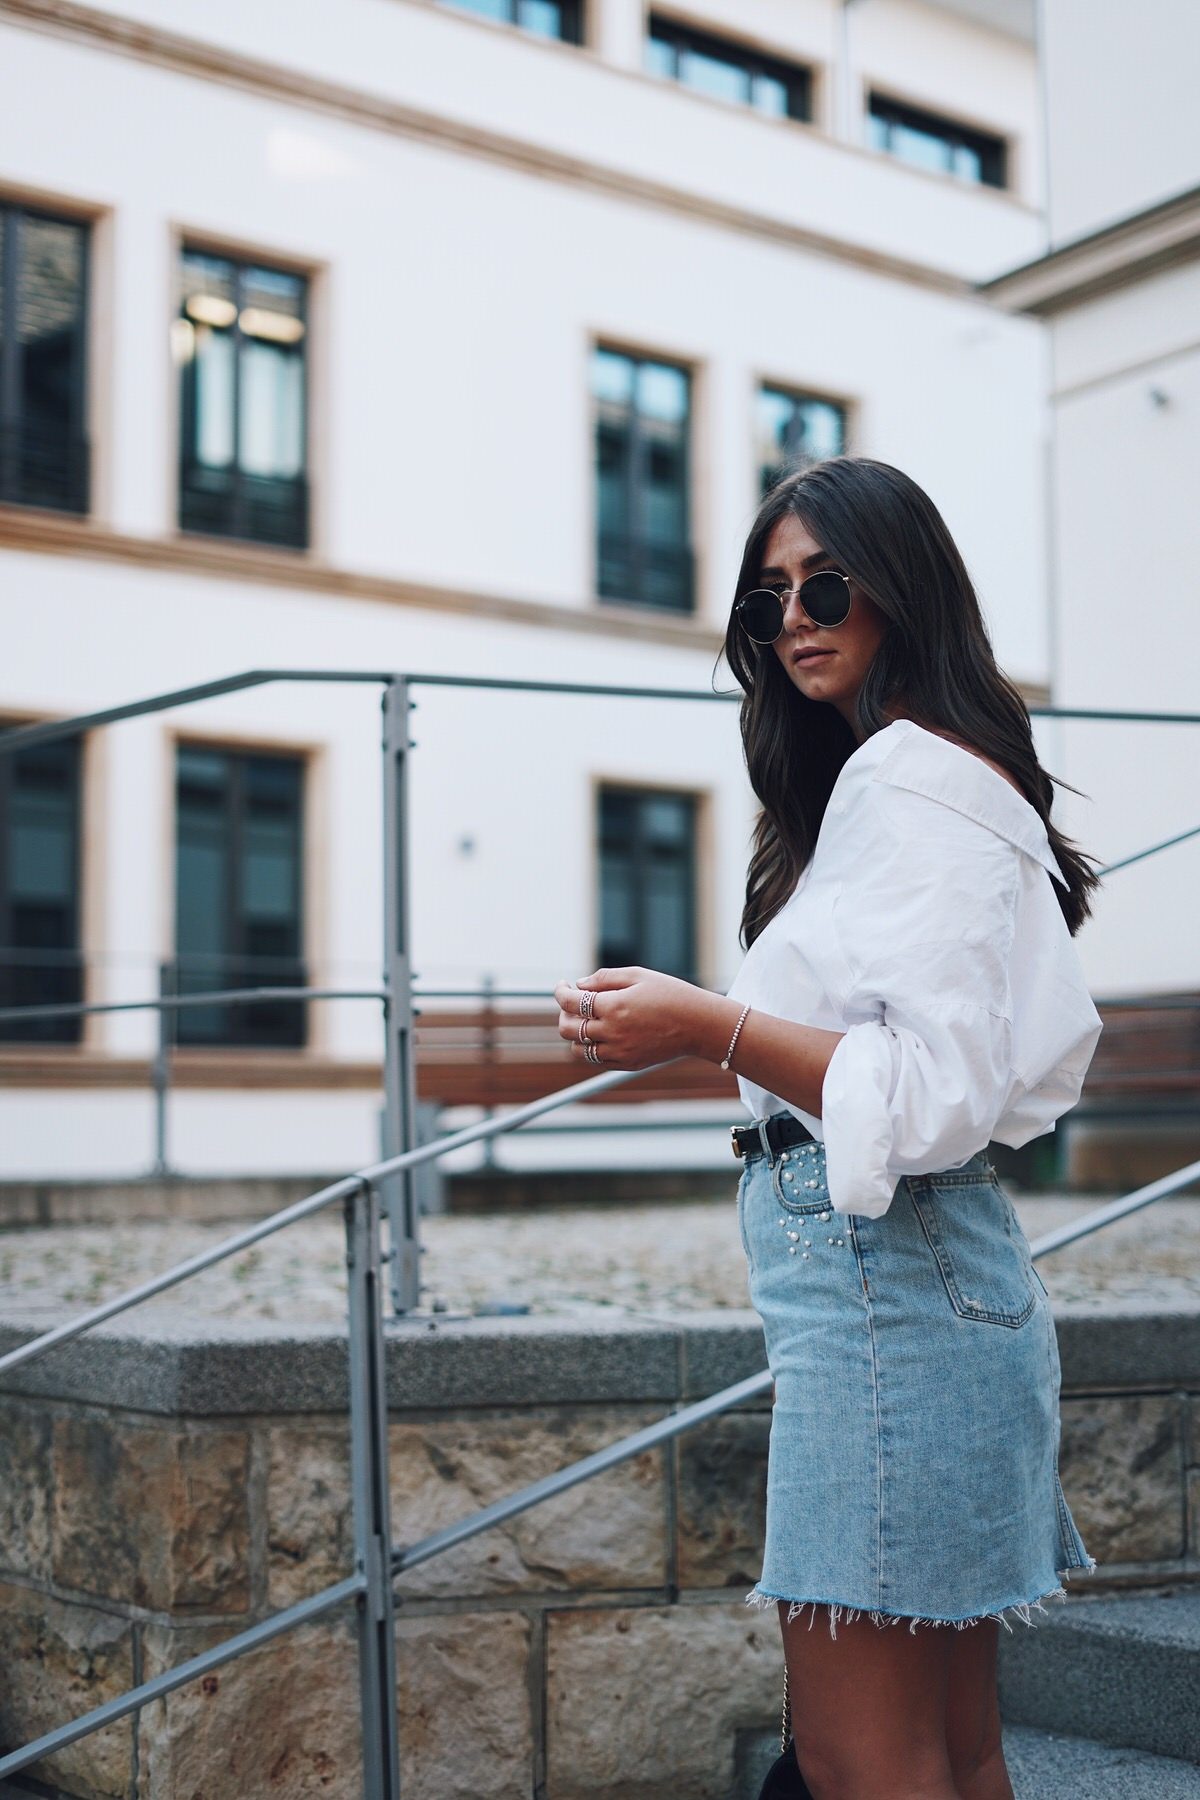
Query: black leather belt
x=781, y=1131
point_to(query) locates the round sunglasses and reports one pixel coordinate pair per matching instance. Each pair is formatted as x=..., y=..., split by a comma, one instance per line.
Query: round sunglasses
x=825, y=597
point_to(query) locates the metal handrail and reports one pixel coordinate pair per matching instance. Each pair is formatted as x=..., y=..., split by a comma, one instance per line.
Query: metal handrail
x=171, y=1002
x=372, y=1583
x=25, y=737
x=371, y=1174
x=168, y=1002
x=178, y=1676
x=49, y=731
x=399, y=1089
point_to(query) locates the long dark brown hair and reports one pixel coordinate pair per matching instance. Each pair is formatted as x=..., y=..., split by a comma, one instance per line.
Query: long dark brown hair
x=886, y=534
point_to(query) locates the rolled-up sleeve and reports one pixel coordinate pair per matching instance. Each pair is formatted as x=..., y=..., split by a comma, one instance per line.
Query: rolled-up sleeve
x=920, y=1089
x=924, y=1068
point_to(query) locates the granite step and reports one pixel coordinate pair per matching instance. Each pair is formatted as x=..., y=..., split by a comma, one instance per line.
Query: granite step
x=1044, y=1765
x=1119, y=1669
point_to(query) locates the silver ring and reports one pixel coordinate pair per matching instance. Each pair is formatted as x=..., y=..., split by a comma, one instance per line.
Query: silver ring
x=587, y=999
x=583, y=1030
x=591, y=1052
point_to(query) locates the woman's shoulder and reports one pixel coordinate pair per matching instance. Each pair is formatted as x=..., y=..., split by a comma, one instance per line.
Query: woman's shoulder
x=908, y=741
x=951, y=777
x=973, y=750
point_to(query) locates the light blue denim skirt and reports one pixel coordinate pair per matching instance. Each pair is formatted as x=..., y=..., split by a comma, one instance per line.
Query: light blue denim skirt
x=913, y=1463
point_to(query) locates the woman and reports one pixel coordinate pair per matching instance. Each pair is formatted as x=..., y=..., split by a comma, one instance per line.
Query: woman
x=910, y=993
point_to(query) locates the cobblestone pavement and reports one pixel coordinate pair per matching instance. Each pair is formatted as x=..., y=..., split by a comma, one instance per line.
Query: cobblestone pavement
x=626, y=1259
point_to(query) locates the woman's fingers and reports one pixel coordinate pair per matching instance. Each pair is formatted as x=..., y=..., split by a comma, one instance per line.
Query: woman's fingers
x=569, y=1026
x=616, y=978
x=570, y=1001
x=572, y=1018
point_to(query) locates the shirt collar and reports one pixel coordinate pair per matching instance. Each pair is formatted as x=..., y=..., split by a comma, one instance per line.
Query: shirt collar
x=928, y=764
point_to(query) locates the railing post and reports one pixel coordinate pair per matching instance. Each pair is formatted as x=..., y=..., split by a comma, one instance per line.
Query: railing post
x=161, y=1068
x=487, y=1059
x=399, y=1083
x=371, y=1498
x=1062, y=1154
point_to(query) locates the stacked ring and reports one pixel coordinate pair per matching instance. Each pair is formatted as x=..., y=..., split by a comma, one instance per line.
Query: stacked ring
x=587, y=1002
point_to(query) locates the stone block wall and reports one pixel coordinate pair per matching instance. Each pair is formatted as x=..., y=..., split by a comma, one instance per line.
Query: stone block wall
x=159, y=1493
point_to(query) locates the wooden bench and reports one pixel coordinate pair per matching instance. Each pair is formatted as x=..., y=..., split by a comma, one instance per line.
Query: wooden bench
x=502, y=1056
x=1147, y=1061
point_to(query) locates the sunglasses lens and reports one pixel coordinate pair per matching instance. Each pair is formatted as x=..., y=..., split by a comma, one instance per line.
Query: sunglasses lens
x=760, y=615
x=826, y=598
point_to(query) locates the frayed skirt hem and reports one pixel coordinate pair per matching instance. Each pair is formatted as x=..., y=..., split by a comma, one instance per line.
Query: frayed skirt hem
x=840, y=1610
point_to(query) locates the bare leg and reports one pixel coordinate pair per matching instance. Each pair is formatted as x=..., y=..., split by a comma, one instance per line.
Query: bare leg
x=973, y=1715
x=869, y=1708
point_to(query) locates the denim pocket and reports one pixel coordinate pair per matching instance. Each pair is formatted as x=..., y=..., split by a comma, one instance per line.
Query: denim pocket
x=985, y=1268
x=798, y=1180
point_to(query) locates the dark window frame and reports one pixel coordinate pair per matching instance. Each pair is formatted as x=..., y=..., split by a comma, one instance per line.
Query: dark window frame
x=990, y=147
x=43, y=975
x=796, y=78
x=786, y=390
x=610, y=954
x=272, y=1024
x=220, y=502
x=19, y=449
x=572, y=13
x=633, y=549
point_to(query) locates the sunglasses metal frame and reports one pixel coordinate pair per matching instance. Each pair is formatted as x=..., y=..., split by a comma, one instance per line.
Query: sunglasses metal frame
x=785, y=595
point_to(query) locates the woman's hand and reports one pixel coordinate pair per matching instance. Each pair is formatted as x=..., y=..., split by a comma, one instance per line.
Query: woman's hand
x=638, y=1018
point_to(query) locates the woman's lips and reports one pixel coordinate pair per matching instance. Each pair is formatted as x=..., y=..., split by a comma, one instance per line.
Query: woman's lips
x=805, y=656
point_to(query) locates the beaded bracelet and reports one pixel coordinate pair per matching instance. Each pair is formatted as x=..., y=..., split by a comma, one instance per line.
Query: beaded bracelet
x=733, y=1040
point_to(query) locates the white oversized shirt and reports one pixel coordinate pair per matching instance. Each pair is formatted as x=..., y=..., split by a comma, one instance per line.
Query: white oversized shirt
x=927, y=929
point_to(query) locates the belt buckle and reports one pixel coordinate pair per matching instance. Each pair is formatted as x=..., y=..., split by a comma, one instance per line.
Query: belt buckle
x=733, y=1138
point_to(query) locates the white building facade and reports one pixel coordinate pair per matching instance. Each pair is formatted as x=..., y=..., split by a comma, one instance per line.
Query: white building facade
x=1118, y=292
x=394, y=336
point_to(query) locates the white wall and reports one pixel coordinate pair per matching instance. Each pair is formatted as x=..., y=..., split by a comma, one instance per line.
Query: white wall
x=1122, y=81
x=1128, y=447
x=1125, y=387
x=476, y=79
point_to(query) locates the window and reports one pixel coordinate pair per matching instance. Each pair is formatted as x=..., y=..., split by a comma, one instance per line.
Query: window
x=730, y=71
x=793, y=430
x=545, y=18
x=43, y=309
x=238, y=873
x=40, y=960
x=929, y=142
x=647, y=881
x=642, y=411
x=240, y=342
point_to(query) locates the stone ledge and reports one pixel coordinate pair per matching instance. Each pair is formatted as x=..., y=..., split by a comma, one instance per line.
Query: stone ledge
x=1131, y=1343
x=221, y=1367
